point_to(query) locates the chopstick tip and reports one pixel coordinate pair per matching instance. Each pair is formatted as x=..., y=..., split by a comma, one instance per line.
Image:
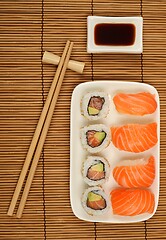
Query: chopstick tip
x=18, y=215
x=9, y=214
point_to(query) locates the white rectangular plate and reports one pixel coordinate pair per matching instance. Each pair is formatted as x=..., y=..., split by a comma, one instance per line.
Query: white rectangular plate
x=113, y=155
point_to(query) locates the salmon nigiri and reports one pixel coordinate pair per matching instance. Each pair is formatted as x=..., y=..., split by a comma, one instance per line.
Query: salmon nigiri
x=135, y=137
x=135, y=173
x=136, y=104
x=131, y=202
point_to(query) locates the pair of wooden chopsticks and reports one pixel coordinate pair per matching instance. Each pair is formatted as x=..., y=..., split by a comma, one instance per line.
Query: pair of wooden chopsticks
x=40, y=135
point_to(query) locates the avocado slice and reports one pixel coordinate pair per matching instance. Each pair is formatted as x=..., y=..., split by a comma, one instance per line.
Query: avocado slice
x=94, y=197
x=100, y=136
x=98, y=167
x=93, y=111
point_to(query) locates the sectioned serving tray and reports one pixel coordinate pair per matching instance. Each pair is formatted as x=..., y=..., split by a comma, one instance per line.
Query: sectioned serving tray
x=113, y=155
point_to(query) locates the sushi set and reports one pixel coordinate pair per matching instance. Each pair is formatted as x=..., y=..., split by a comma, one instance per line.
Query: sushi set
x=114, y=151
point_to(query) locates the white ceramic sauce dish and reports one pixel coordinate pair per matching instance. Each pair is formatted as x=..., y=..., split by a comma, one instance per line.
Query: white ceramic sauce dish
x=135, y=48
x=78, y=154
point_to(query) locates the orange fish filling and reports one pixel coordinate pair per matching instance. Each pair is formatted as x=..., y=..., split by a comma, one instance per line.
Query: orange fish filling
x=95, y=174
x=95, y=103
x=97, y=204
x=93, y=138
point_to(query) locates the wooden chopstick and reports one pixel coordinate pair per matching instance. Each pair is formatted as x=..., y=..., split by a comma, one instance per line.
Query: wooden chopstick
x=42, y=137
x=36, y=134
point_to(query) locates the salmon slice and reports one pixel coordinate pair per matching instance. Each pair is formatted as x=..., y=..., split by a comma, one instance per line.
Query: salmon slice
x=96, y=102
x=135, y=137
x=92, y=141
x=95, y=175
x=97, y=205
x=136, y=104
x=135, y=173
x=131, y=202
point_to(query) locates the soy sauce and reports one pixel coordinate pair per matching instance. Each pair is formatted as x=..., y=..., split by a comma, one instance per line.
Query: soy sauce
x=114, y=34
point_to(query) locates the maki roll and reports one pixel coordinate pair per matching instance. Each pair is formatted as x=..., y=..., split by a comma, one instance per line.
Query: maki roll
x=95, y=201
x=95, y=105
x=95, y=137
x=95, y=170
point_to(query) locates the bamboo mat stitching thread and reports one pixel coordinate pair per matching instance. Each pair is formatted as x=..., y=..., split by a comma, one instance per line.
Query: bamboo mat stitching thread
x=92, y=53
x=142, y=80
x=42, y=20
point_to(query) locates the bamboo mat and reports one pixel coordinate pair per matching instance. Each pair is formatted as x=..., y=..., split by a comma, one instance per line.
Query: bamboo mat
x=27, y=28
x=20, y=106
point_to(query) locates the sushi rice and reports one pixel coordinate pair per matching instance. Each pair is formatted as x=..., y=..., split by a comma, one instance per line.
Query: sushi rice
x=85, y=102
x=98, y=128
x=99, y=191
x=91, y=161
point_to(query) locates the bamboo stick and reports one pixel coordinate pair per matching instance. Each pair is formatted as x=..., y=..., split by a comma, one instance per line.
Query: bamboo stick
x=42, y=137
x=36, y=136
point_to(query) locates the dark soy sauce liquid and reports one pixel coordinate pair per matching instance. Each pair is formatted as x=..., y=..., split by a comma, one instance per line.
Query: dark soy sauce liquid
x=114, y=34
